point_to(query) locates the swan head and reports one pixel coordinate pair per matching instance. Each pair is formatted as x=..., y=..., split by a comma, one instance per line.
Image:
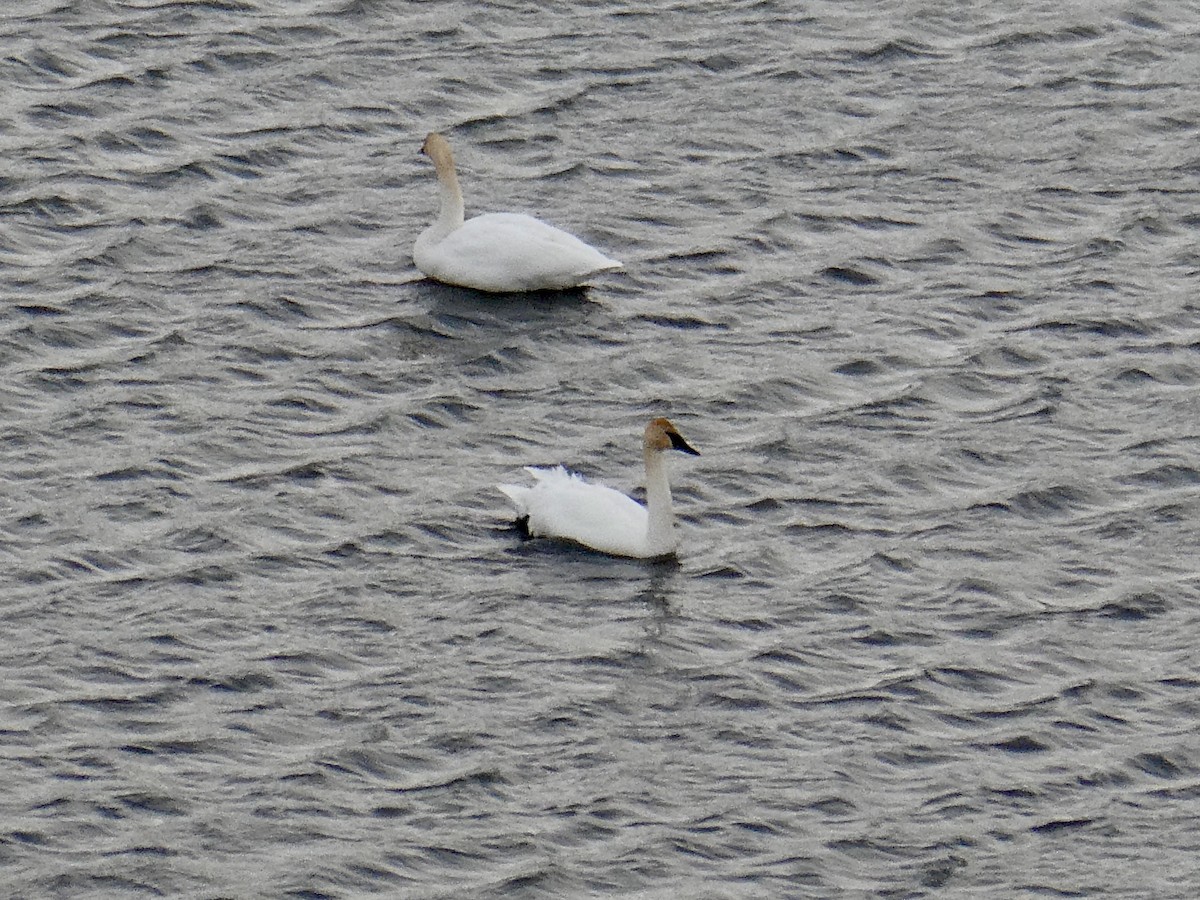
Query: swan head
x=662, y=435
x=437, y=148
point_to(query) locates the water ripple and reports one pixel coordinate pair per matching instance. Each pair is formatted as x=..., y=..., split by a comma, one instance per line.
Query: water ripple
x=897, y=276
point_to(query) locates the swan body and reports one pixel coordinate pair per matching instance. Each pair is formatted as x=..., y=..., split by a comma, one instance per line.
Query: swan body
x=499, y=252
x=563, y=505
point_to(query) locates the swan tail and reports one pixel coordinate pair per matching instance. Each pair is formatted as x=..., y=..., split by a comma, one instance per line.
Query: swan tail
x=518, y=495
x=551, y=475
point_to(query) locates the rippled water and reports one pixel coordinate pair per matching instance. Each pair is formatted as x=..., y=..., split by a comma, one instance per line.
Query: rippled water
x=918, y=279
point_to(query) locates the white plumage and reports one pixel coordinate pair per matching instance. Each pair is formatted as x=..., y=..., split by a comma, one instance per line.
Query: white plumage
x=563, y=505
x=500, y=252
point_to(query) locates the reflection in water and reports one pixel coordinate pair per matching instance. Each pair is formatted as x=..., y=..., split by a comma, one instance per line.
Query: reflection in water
x=660, y=587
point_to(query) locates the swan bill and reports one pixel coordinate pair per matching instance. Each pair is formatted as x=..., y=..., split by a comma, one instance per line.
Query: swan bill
x=678, y=443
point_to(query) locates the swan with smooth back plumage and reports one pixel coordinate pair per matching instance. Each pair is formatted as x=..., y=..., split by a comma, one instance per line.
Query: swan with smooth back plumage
x=562, y=505
x=498, y=252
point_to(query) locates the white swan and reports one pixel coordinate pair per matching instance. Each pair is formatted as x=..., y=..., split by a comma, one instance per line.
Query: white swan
x=498, y=251
x=562, y=505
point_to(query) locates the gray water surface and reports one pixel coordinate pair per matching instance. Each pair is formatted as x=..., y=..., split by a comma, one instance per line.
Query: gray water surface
x=918, y=279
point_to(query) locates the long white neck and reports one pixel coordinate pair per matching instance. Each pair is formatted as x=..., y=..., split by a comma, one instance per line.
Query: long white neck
x=661, y=526
x=451, y=215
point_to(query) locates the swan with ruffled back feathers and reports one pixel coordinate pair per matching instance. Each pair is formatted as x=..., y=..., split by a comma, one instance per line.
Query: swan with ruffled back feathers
x=498, y=252
x=562, y=505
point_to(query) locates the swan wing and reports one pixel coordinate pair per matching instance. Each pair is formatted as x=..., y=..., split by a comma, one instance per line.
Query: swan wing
x=561, y=504
x=513, y=252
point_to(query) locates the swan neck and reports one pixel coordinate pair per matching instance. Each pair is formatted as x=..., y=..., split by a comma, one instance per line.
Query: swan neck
x=451, y=215
x=661, y=531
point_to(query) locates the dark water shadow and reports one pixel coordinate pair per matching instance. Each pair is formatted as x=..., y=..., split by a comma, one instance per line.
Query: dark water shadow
x=452, y=307
x=584, y=566
x=661, y=585
x=448, y=308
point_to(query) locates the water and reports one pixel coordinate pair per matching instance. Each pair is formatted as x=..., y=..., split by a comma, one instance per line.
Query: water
x=919, y=280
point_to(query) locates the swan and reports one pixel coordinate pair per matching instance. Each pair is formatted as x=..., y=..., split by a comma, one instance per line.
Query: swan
x=560, y=504
x=500, y=252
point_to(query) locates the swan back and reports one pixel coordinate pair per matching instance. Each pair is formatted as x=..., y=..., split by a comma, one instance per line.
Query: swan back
x=562, y=504
x=507, y=252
